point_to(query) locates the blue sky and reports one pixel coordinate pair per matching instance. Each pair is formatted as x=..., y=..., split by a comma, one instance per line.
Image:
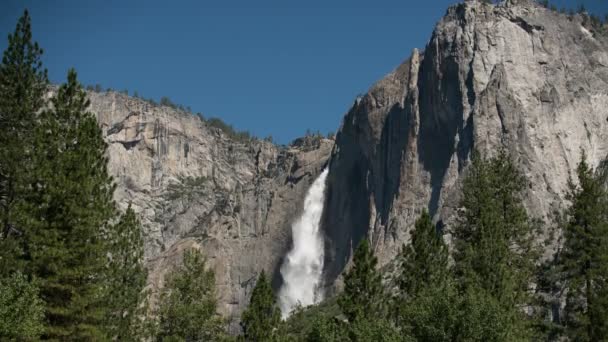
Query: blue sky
x=273, y=67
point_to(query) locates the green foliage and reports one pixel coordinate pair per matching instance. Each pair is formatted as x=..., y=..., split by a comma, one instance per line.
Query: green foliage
x=23, y=83
x=424, y=261
x=428, y=301
x=325, y=329
x=548, y=305
x=584, y=259
x=363, y=292
x=68, y=214
x=125, y=280
x=432, y=313
x=303, y=321
x=372, y=328
x=581, y=9
x=239, y=136
x=364, y=302
x=485, y=318
x=188, y=304
x=261, y=319
x=494, y=249
x=21, y=309
x=165, y=101
x=187, y=187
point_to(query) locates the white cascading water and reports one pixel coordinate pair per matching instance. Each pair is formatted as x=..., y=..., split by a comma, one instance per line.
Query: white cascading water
x=303, y=267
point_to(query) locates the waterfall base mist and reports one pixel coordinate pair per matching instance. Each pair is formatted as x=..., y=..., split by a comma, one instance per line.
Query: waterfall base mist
x=303, y=266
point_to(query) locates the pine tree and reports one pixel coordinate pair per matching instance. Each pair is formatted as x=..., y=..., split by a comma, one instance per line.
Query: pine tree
x=363, y=292
x=584, y=258
x=23, y=83
x=21, y=310
x=327, y=330
x=188, y=304
x=428, y=302
x=126, y=278
x=495, y=253
x=69, y=209
x=261, y=319
x=424, y=261
x=482, y=317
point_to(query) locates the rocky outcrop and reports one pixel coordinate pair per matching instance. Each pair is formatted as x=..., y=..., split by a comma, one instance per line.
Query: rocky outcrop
x=193, y=186
x=513, y=75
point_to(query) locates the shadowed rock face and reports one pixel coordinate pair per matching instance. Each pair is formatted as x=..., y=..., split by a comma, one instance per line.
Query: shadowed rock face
x=513, y=75
x=192, y=186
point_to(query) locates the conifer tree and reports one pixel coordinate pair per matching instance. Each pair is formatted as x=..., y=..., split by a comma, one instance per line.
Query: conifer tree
x=23, y=83
x=327, y=330
x=363, y=291
x=261, y=319
x=425, y=260
x=126, y=278
x=188, y=305
x=584, y=258
x=363, y=300
x=494, y=242
x=69, y=209
x=428, y=301
x=21, y=310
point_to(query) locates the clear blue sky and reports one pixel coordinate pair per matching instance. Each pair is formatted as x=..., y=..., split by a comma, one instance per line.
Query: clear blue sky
x=274, y=67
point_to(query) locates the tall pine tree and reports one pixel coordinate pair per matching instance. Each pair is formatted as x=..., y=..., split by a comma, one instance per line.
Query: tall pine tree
x=494, y=245
x=69, y=210
x=363, y=292
x=364, y=301
x=23, y=83
x=188, y=306
x=427, y=306
x=584, y=258
x=125, y=280
x=425, y=260
x=261, y=319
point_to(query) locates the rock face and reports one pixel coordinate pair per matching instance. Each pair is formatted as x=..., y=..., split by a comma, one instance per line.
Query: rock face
x=513, y=75
x=192, y=186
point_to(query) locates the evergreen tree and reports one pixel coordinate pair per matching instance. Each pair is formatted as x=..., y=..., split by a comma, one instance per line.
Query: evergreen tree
x=363, y=300
x=327, y=330
x=23, y=83
x=126, y=278
x=424, y=261
x=261, y=319
x=482, y=317
x=69, y=208
x=428, y=301
x=494, y=242
x=584, y=258
x=548, y=306
x=188, y=304
x=21, y=310
x=363, y=293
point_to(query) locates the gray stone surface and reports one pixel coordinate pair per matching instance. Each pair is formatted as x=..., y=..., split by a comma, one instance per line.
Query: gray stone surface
x=513, y=75
x=192, y=186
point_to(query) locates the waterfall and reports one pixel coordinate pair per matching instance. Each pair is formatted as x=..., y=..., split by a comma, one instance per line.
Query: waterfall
x=303, y=267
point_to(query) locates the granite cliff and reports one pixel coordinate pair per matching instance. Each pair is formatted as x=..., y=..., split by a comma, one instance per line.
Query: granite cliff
x=513, y=75
x=193, y=186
